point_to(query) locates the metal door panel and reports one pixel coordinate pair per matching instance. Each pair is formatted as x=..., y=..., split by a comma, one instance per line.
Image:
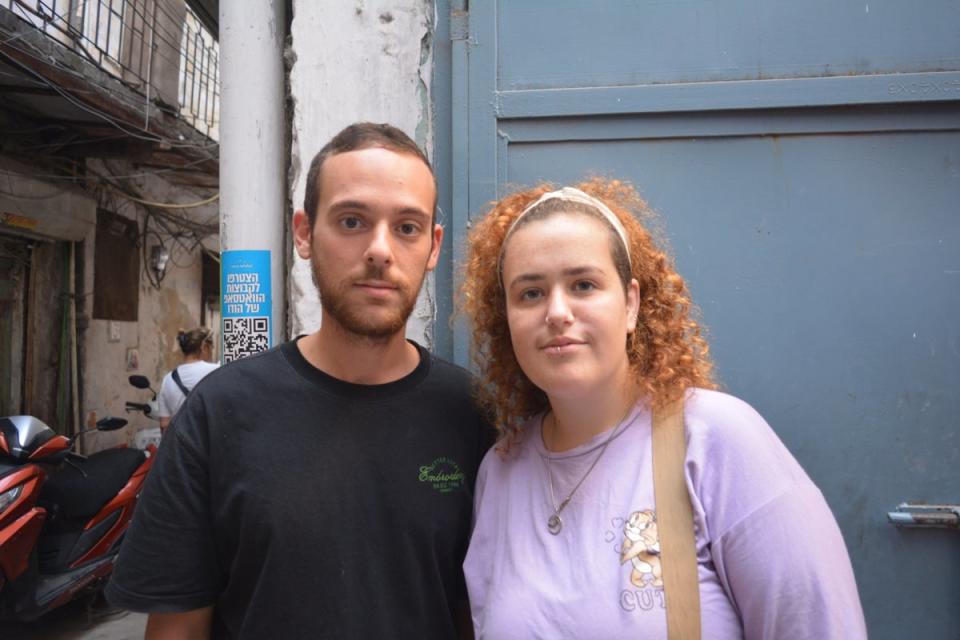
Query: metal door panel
x=827, y=270
x=609, y=43
x=815, y=217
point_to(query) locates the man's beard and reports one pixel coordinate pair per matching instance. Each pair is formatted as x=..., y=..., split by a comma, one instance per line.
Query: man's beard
x=335, y=303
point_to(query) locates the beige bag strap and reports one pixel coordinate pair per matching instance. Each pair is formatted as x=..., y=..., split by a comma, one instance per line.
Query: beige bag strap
x=678, y=548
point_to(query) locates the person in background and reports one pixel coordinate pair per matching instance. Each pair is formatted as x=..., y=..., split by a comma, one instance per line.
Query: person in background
x=582, y=328
x=197, y=347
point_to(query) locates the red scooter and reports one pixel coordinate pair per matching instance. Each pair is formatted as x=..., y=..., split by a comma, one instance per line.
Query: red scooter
x=62, y=515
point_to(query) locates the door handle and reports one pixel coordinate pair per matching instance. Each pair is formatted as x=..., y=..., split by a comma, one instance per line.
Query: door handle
x=941, y=516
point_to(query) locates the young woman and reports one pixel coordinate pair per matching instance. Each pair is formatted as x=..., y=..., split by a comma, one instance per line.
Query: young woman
x=197, y=348
x=581, y=328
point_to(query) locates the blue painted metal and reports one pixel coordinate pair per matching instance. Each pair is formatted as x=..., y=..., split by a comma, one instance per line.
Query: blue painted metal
x=443, y=153
x=828, y=274
x=733, y=123
x=475, y=119
x=941, y=86
x=604, y=43
x=806, y=161
x=460, y=126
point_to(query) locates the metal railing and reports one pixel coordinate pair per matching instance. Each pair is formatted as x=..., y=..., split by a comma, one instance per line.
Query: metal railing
x=132, y=39
x=199, y=88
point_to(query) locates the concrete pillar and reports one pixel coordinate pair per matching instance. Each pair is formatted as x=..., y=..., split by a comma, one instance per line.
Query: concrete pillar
x=252, y=150
x=369, y=60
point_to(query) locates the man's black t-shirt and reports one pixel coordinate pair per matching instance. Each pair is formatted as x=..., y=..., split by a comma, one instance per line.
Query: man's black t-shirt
x=302, y=506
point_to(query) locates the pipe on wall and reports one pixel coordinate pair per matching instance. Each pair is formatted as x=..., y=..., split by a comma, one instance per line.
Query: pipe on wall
x=252, y=139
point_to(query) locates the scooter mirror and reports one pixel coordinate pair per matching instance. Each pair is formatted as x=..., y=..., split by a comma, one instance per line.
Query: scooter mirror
x=140, y=382
x=110, y=424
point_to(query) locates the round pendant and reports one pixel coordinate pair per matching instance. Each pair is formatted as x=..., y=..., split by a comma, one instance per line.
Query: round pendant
x=554, y=524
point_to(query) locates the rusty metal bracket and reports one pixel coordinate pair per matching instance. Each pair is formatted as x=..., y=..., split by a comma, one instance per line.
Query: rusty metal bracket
x=940, y=516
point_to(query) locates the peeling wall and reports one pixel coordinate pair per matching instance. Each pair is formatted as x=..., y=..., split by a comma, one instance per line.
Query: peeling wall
x=58, y=212
x=43, y=205
x=161, y=313
x=105, y=372
x=352, y=61
x=47, y=306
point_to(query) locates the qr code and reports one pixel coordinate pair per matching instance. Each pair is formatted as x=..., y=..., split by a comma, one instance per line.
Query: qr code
x=244, y=337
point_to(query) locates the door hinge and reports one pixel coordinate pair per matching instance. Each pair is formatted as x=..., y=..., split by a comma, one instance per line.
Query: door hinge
x=459, y=25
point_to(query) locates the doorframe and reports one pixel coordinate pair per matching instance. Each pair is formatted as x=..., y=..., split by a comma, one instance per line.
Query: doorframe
x=18, y=327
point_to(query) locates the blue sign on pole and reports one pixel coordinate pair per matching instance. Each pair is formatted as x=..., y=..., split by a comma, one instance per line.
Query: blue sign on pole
x=246, y=306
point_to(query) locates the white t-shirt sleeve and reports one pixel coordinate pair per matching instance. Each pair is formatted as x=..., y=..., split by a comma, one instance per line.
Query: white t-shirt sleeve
x=169, y=398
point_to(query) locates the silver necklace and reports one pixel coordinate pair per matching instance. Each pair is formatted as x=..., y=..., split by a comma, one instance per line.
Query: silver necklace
x=555, y=522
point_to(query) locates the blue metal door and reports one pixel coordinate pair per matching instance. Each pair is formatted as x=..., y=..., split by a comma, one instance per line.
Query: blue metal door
x=805, y=158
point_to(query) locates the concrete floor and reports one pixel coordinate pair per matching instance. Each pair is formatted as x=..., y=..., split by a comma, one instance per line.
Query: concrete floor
x=74, y=621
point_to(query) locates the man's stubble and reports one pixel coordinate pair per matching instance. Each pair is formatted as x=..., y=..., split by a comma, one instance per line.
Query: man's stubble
x=334, y=300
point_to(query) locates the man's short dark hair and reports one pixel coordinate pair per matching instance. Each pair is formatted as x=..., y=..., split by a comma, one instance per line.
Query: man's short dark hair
x=360, y=135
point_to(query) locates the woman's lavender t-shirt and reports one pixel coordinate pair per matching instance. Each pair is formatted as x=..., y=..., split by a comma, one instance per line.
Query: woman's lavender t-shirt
x=772, y=562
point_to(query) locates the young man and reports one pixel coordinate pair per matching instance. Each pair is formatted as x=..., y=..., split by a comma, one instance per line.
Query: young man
x=322, y=489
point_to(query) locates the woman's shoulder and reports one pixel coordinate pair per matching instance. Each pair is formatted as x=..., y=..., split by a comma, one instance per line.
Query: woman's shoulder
x=702, y=403
x=716, y=415
x=731, y=445
x=167, y=379
x=200, y=365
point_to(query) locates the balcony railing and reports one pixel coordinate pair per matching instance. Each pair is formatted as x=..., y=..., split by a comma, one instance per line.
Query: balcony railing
x=199, y=87
x=139, y=42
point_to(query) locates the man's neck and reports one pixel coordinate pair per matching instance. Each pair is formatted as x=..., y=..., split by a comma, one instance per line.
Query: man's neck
x=358, y=359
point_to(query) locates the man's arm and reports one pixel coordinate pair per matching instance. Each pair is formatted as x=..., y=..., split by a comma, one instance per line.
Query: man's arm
x=168, y=560
x=189, y=625
x=164, y=422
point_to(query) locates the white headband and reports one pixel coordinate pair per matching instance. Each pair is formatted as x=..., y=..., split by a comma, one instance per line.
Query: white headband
x=570, y=194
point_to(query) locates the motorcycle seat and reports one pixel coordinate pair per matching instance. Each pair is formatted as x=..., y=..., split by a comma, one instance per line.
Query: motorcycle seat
x=68, y=494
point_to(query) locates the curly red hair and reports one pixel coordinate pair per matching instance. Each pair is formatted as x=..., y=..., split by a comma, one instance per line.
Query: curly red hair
x=667, y=352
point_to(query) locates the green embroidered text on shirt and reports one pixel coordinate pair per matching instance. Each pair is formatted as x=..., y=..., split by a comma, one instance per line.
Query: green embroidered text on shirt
x=443, y=474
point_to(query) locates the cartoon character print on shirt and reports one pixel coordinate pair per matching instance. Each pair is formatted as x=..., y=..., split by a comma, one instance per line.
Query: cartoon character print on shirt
x=641, y=547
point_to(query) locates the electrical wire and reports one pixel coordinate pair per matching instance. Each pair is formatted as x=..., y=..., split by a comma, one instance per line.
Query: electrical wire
x=14, y=37
x=153, y=278
x=45, y=127
x=26, y=14
x=76, y=102
x=96, y=112
x=199, y=76
x=42, y=176
x=170, y=205
x=127, y=189
x=105, y=191
x=70, y=143
x=159, y=218
x=84, y=40
x=20, y=196
x=142, y=174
